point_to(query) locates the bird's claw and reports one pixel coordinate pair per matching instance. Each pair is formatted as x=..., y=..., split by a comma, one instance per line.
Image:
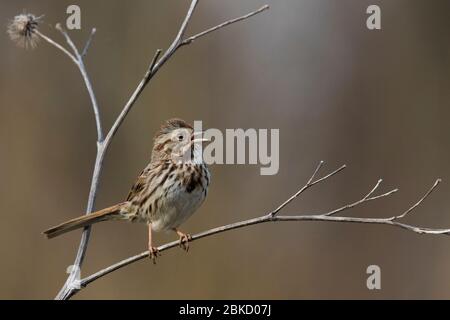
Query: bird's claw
x=184, y=241
x=153, y=253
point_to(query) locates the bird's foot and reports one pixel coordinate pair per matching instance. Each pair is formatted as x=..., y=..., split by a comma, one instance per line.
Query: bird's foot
x=153, y=253
x=184, y=240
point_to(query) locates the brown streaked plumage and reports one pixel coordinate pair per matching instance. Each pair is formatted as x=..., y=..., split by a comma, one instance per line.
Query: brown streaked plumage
x=167, y=192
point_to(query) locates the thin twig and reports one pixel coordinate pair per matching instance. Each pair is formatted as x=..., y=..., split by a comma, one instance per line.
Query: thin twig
x=140, y=88
x=366, y=198
x=68, y=39
x=308, y=185
x=226, y=23
x=88, y=42
x=404, y=214
x=325, y=217
x=373, y=190
x=87, y=81
x=57, y=45
x=155, y=60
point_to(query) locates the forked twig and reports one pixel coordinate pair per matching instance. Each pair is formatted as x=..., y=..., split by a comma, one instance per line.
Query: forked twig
x=311, y=182
x=404, y=214
x=366, y=198
x=226, y=23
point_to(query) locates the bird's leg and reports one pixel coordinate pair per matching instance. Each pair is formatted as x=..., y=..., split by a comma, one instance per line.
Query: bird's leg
x=153, y=251
x=184, y=239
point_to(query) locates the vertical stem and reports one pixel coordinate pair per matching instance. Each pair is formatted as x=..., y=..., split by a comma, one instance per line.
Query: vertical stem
x=95, y=107
x=67, y=290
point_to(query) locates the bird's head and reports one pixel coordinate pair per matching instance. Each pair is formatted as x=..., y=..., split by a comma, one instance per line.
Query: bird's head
x=176, y=140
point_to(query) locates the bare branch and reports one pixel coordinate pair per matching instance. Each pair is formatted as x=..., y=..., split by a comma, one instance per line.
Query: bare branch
x=388, y=221
x=366, y=198
x=374, y=189
x=88, y=42
x=140, y=88
x=318, y=218
x=57, y=45
x=226, y=23
x=186, y=21
x=68, y=40
x=308, y=185
x=151, y=72
x=78, y=60
x=325, y=217
x=404, y=214
x=313, y=176
x=328, y=175
x=154, y=61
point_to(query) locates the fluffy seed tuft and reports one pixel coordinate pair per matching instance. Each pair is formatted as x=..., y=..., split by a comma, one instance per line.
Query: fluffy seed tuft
x=22, y=30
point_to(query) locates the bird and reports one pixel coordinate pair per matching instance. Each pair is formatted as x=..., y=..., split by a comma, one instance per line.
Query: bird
x=167, y=192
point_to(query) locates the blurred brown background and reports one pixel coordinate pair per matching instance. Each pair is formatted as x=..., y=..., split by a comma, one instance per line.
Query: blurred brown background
x=375, y=100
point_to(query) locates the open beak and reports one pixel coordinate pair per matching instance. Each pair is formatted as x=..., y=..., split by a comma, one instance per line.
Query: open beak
x=200, y=139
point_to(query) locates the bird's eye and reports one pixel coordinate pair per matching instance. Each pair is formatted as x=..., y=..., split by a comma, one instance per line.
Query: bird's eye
x=180, y=138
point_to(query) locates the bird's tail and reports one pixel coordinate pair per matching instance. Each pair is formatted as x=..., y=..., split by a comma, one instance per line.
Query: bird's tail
x=110, y=213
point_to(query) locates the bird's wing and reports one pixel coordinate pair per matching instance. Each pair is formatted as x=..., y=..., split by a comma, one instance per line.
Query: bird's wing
x=148, y=180
x=139, y=184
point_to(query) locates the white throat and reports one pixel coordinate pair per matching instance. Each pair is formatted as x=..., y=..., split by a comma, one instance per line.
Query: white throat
x=197, y=153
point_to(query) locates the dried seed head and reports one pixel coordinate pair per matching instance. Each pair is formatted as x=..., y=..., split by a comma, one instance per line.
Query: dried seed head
x=22, y=30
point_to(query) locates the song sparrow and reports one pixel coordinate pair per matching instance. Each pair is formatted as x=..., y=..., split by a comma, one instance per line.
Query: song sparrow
x=169, y=190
